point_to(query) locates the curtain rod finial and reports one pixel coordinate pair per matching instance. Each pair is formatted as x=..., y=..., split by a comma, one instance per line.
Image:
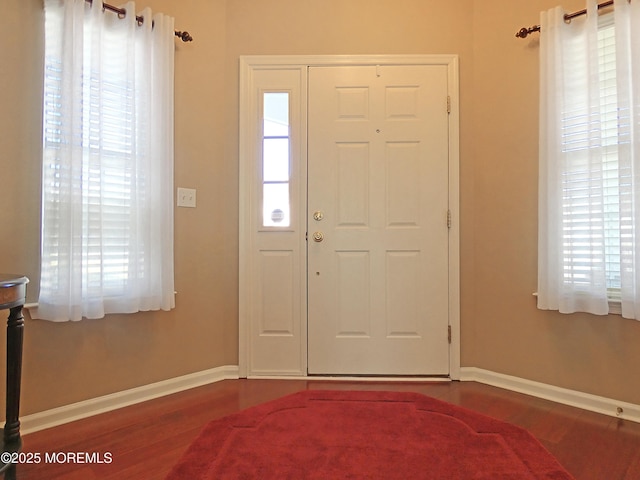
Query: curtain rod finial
x=184, y=36
x=523, y=32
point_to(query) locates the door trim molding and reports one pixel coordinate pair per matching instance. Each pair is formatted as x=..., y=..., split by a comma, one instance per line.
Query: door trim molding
x=248, y=64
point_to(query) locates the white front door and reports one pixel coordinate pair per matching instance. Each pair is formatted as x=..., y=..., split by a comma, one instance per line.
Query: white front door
x=378, y=192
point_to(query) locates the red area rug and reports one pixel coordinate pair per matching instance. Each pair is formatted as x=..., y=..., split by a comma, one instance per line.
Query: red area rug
x=387, y=435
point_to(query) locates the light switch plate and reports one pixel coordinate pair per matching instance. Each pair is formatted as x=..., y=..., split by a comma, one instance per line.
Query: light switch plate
x=186, y=197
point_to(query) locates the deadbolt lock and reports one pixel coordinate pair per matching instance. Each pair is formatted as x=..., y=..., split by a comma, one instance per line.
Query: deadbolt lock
x=318, y=215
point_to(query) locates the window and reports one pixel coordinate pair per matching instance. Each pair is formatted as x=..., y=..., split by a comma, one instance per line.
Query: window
x=579, y=142
x=276, y=170
x=588, y=192
x=107, y=176
x=105, y=182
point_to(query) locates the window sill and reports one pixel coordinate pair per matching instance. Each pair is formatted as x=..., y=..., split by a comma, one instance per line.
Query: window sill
x=615, y=305
x=27, y=306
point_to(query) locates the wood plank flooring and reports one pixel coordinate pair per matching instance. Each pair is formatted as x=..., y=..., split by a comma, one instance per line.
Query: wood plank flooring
x=147, y=439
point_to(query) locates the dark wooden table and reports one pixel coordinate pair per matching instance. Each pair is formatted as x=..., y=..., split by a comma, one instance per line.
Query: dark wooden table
x=13, y=289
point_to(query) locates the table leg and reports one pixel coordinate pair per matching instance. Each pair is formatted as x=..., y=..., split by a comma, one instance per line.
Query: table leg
x=15, y=330
x=10, y=473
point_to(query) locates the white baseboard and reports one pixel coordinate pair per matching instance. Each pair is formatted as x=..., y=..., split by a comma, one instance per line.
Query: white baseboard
x=586, y=401
x=87, y=408
x=94, y=406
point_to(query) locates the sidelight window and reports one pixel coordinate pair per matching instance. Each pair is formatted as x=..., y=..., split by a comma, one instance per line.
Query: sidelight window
x=276, y=164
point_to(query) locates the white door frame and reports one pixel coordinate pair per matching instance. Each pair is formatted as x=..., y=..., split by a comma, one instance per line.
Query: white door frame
x=248, y=198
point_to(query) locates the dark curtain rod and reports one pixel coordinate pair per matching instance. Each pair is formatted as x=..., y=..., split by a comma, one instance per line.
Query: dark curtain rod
x=184, y=36
x=523, y=32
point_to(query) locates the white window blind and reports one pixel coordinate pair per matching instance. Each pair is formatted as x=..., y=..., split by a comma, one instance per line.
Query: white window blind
x=106, y=183
x=610, y=165
x=591, y=180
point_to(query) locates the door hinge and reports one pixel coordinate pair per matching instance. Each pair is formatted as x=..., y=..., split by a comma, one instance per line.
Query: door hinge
x=448, y=218
x=448, y=104
x=449, y=333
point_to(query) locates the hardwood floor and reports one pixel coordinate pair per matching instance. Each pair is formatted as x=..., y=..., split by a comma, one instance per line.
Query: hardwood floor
x=144, y=441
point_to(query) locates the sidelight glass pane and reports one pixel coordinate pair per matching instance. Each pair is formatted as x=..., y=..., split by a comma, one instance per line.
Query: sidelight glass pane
x=276, y=205
x=275, y=160
x=276, y=114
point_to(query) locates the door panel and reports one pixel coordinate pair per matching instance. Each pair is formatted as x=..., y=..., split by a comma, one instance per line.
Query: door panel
x=378, y=186
x=272, y=303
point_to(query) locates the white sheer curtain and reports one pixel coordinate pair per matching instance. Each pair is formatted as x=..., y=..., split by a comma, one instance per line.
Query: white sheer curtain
x=589, y=153
x=107, y=182
x=627, y=39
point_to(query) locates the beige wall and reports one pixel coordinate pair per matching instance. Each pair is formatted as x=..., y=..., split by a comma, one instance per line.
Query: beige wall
x=501, y=328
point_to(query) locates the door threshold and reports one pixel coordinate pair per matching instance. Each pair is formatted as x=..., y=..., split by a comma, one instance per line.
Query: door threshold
x=380, y=378
x=355, y=378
